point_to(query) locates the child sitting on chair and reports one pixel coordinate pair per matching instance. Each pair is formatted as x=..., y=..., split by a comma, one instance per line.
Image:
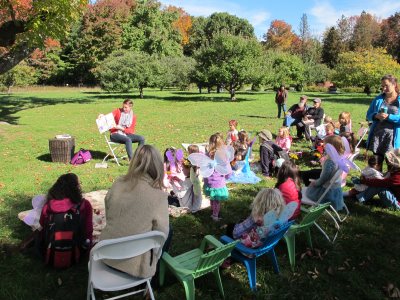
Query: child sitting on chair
x=284, y=140
x=288, y=183
x=265, y=201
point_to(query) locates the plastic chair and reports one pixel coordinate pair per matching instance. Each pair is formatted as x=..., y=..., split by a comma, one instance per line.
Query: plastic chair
x=112, y=147
x=248, y=256
x=104, y=278
x=196, y=263
x=304, y=226
x=305, y=200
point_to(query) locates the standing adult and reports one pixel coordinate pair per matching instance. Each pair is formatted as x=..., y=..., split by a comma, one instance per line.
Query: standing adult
x=124, y=132
x=281, y=99
x=312, y=117
x=137, y=204
x=295, y=114
x=384, y=113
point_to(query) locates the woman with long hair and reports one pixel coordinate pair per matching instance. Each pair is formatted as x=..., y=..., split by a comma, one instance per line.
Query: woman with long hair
x=137, y=204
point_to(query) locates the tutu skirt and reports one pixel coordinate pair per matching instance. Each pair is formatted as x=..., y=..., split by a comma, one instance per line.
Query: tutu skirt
x=219, y=194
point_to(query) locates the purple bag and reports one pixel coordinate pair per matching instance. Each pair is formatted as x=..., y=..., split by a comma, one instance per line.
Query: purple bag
x=81, y=157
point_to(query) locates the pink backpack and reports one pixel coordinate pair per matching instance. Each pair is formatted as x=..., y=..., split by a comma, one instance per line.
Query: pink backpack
x=81, y=157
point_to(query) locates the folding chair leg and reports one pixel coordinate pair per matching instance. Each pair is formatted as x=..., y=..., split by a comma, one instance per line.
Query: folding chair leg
x=149, y=290
x=219, y=282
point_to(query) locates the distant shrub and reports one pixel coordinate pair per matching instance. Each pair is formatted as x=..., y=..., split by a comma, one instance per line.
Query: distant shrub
x=352, y=89
x=315, y=88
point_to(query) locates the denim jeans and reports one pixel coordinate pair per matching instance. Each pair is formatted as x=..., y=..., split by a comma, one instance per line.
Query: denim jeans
x=388, y=198
x=127, y=140
x=280, y=107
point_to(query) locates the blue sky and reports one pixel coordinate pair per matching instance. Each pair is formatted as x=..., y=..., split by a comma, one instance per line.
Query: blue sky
x=320, y=14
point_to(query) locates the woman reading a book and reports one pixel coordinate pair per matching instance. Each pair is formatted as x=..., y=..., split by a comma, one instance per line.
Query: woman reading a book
x=124, y=131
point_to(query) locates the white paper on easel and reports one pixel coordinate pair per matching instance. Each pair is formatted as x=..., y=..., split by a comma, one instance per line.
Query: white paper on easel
x=105, y=122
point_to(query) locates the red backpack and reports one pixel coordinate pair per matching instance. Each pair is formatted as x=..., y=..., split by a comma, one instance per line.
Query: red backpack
x=63, y=238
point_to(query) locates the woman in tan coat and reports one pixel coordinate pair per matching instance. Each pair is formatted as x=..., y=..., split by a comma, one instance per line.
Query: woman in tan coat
x=136, y=204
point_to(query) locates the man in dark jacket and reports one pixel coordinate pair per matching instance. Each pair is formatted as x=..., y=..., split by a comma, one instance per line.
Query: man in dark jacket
x=312, y=117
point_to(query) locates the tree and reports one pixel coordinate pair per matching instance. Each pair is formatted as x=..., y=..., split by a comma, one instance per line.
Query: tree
x=25, y=25
x=219, y=23
x=366, y=32
x=21, y=75
x=331, y=47
x=279, y=36
x=229, y=61
x=390, y=35
x=47, y=63
x=197, y=36
x=124, y=70
x=286, y=69
x=364, y=68
x=305, y=38
x=95, y=37
x=175, y=71
x=151, y=30
x=204, y=30
x=345, y=29
x=182, y=24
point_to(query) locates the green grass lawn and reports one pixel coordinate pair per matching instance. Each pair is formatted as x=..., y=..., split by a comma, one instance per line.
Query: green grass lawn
x=362, y=262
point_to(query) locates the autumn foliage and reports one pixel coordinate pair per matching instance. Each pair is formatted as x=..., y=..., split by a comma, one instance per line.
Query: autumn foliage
x=280, y=36
x=183, y=24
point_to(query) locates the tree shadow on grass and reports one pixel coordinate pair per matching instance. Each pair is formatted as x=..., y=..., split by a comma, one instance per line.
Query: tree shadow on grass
x=95, y=155
x=10, y=105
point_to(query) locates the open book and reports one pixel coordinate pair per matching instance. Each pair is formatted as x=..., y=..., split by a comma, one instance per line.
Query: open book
x=105, y=122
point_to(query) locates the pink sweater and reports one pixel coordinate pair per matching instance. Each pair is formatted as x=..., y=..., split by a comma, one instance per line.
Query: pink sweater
x=291, y=194
x=284, y=143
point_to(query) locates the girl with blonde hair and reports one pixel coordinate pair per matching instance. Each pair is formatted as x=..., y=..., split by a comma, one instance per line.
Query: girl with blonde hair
x=265, y=201
x=284, y=140
x=137, y=204
x=215, y=185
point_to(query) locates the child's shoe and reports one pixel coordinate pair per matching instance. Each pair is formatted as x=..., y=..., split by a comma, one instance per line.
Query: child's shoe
x=215, y=218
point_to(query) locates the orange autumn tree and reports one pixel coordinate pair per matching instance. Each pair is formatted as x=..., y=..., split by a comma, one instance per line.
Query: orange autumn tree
x=183, y=24
x=280, y=36
x=26, y=24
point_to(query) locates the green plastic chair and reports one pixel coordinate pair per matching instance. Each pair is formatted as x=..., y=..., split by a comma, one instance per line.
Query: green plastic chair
x=195, y=263
x=309, y=220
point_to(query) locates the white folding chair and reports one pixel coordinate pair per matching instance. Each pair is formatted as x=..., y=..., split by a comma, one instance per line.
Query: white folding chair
x=104, y=278
x=334, y=215
x=361, y=134
x=113, y=147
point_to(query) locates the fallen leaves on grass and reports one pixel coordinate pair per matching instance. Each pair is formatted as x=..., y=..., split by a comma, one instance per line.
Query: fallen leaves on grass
x=314, y=274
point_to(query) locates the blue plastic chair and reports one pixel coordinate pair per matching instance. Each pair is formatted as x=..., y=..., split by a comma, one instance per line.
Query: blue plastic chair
x=267, y=248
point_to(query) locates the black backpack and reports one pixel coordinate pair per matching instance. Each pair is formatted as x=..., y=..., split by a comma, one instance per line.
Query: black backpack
x=63, y=237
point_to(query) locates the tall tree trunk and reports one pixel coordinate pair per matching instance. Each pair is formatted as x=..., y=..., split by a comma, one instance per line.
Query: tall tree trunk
x=232, y=92
x=208, y=89
x=141, y=92
x=14, y=57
